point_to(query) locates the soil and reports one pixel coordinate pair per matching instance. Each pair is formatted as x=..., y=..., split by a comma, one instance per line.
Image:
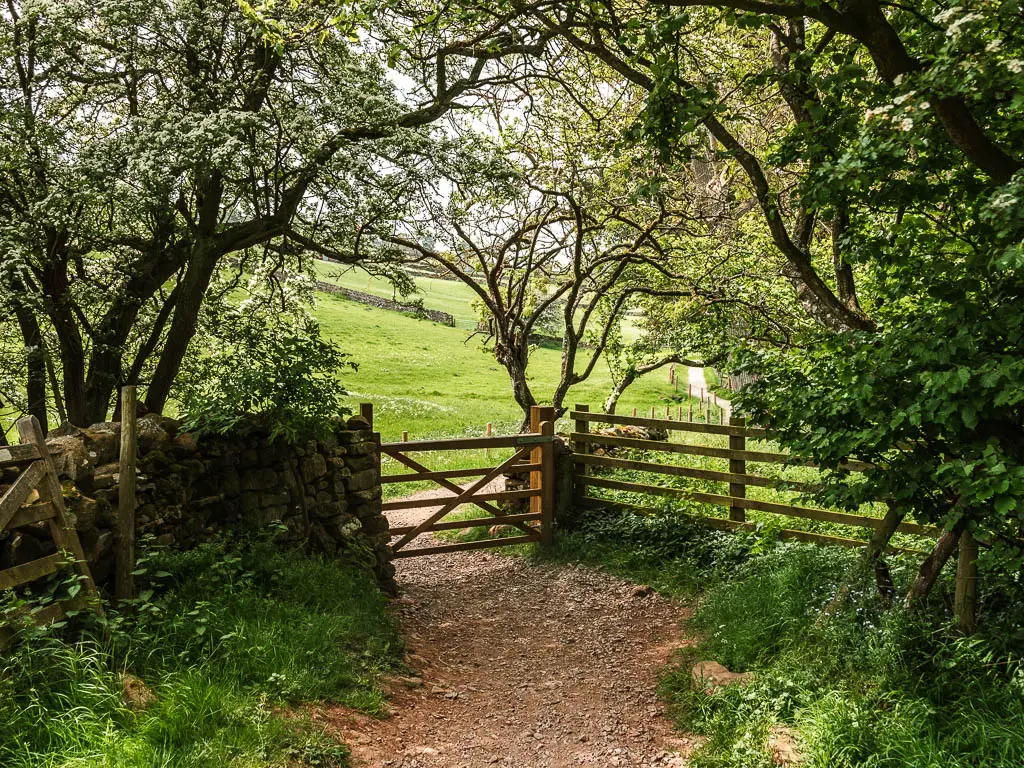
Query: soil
x=522, y=664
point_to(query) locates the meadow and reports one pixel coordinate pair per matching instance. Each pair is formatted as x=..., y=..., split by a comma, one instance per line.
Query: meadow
x=432, y=380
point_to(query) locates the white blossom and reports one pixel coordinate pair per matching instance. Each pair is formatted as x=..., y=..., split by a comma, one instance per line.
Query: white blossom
x=957, y=27
x=1015, y=65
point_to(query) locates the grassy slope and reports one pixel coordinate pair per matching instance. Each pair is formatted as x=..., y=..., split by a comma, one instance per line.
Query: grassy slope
x=449, y=296
x=427, y=379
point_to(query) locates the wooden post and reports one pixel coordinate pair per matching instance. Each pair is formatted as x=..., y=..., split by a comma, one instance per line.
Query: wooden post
x=679, y=412
x=539, y=414
x=702, y=397
x=405, y=436
x=547, y=499
x=707, y=415
x=579, y=486
x=487, y=431
x=366, y=411
x=652, y=411
x=668, y=411
x=124, y=582
x=634, y=411
x=739, y=467
x=689, y=391
x=966, y=601
x=690, y=418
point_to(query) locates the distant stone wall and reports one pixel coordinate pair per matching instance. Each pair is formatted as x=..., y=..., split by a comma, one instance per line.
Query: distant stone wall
x=381, y=303
x=327, y=493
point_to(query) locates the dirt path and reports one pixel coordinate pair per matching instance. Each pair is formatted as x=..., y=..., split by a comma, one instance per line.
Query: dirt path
x=525, y=665
x=698, y=382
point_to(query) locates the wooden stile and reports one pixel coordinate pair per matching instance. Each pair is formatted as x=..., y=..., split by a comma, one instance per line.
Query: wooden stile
x=41, y=477
x=17, y=454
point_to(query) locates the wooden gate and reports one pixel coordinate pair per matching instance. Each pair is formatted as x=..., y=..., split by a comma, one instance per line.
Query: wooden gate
x=533, y=453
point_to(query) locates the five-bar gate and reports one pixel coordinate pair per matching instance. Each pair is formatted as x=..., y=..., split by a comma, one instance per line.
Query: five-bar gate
x=533, y=453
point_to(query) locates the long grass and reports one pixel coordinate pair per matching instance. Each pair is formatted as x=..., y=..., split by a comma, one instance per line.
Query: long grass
x=228, y=639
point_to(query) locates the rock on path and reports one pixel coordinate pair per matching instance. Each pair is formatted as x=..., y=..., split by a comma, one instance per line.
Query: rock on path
x=522, y=665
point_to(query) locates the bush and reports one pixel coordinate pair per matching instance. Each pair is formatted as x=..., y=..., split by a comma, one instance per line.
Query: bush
x=284, y=373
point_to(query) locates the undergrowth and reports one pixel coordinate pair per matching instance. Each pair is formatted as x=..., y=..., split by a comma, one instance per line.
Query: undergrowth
x=229, y=639
x=864, y=686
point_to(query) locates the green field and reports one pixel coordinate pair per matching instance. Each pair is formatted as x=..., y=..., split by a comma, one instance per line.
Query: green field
x=451, y=296
x=427, y=379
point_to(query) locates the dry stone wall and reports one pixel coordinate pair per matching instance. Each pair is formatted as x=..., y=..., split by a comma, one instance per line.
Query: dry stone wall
x=326, y=493
x=381, y=303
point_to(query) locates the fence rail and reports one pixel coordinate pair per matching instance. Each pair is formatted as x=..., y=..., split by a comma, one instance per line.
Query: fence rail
x=739, y=477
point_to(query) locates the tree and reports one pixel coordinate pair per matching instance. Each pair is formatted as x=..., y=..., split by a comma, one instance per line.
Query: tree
x=545, y=221
x=157, y=145
x=878, y=147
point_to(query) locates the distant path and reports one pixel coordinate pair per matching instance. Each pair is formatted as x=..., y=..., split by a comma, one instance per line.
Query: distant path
x=525, y=666
x=698, y=382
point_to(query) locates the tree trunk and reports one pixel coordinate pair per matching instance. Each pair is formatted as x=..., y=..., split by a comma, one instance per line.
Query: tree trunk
x=35, y=354
x=635, y=373
x=613, y=397
x=934, y=563
x=873, y=560
x=183, y=326
x=107, y=363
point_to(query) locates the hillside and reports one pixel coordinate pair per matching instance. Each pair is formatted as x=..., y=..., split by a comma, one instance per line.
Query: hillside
x=429, y=379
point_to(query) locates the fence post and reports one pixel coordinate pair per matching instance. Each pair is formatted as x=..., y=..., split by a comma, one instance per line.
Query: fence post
x=579, y=485
x=124, y=583
x=739, y=467
x=966, y=601
x=547, y=510
x=538, y=481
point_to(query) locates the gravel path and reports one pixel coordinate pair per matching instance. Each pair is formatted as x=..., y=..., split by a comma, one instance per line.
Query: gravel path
x=524, y=665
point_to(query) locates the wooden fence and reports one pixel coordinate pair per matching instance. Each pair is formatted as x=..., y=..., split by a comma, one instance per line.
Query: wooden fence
x=738, y=477
x=34, y=498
